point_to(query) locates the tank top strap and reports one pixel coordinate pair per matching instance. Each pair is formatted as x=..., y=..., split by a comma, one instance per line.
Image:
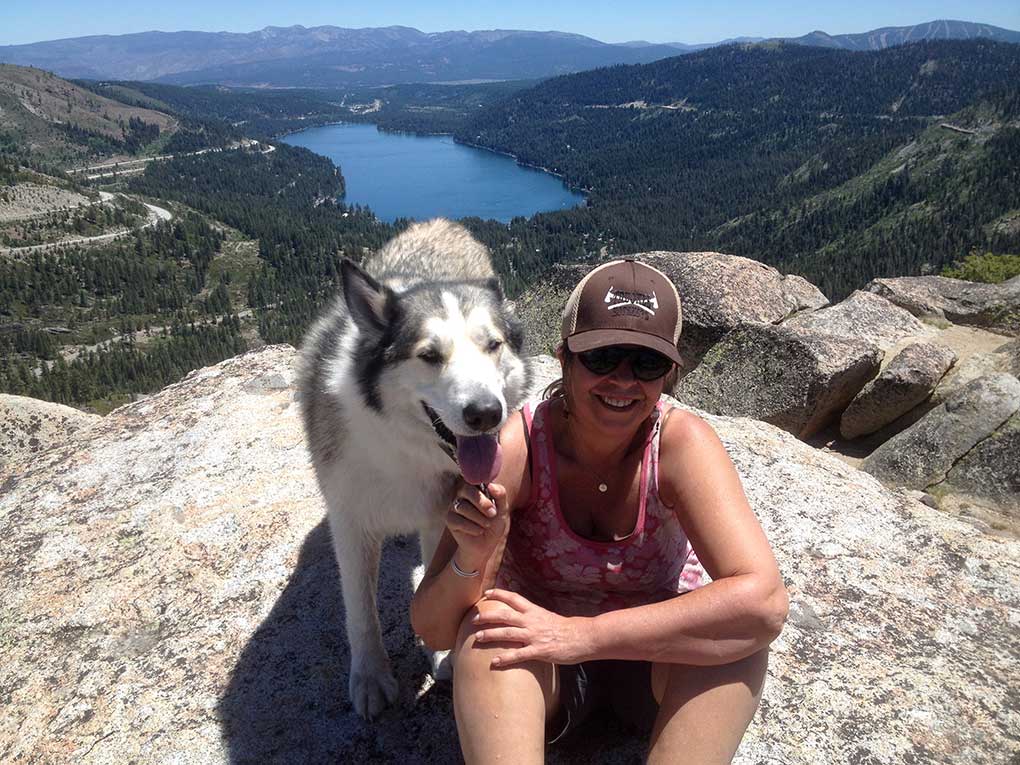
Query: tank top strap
x=538, y=458
x=662, y=412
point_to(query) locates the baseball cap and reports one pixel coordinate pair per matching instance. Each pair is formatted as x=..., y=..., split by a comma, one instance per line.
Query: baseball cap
x=624, y=302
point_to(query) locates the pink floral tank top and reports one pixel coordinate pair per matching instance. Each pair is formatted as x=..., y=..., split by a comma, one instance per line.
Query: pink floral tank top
x=553, y=566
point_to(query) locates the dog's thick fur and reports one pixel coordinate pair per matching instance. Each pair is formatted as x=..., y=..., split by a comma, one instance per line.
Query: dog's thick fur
x=423, y=324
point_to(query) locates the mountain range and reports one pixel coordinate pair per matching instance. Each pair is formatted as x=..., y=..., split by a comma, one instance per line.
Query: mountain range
x=328, y=56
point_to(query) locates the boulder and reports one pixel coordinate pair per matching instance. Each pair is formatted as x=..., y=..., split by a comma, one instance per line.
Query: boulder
x=794, y=379
x=1003, y=358
x=169, y=594
x=867, y=317
x=540, y=309
x=996, y=306
x=908, y=380
x=719, y=292
x=28, y=426
x=1010, y=353
x=990, y=472
x=924, y=453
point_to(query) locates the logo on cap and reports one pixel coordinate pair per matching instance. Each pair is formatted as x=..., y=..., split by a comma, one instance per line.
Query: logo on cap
x=624, y=300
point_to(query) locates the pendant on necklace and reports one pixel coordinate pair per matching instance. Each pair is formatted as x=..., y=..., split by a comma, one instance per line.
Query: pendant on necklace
x=603, y=488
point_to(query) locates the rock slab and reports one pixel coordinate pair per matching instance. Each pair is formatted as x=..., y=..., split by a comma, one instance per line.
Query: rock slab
x=995, y=306
x=169, y=595
x=864, y=316
x=28, y=426
x=719, y=292
x=924, y=454
x=795, y=379
x=990, y=472
x=908, y=380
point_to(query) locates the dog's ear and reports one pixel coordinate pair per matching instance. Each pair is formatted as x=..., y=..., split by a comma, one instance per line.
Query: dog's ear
x=371, y=304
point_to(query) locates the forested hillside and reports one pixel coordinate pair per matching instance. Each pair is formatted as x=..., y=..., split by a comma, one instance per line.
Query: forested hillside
x=286, y=200
x=839, y=166
x=50, y=123
x=825, y=162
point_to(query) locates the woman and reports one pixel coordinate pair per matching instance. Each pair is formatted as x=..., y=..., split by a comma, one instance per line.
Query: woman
x=574, y=583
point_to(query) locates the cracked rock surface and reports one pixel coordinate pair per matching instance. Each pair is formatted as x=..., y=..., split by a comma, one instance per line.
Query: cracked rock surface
x=796, y=379
x=169, y=595
x=924, y=454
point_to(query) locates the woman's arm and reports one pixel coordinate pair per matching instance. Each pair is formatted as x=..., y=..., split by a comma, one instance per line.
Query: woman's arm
x=443, y=597
x=743, y=609
x=737, y=614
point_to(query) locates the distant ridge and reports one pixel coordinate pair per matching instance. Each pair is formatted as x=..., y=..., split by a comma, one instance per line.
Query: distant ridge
x=329, y=56
x=887, y=37
x=326, y=56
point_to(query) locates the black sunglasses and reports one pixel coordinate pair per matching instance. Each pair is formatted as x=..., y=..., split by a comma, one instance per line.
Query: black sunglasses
x=647, y=365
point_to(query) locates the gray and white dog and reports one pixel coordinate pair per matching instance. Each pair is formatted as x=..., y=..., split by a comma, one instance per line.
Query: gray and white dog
x=418, y=358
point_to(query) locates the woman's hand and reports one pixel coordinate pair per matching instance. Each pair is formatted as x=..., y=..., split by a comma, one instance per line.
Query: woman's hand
x=541, y=635
x=478, y=524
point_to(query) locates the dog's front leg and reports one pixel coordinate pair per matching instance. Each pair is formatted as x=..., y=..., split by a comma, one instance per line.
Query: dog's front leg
x=428, y=540
x=371, y=685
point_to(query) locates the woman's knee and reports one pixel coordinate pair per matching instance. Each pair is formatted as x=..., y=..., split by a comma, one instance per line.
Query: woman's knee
x=690, y=680
x=472, y=662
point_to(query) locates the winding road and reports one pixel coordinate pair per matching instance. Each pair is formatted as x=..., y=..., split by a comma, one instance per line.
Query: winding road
x=156, y=215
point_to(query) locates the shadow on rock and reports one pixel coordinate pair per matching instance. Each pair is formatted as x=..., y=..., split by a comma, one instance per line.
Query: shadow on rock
x=287, y=696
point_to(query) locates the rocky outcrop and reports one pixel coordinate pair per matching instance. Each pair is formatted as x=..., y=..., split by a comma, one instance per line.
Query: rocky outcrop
x=169, y=593
x=717, y=293
x=989, y=474
x=540, y=309
x=794, y=379
x=925, y=453
x=720, y=292
x=1011, y=353
x=995, y=306
x=908, y=380
x=864, y=316
x=1003, y=358
x=28, y=426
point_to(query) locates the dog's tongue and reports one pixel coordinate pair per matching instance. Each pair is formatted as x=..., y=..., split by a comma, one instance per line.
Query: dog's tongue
x=479, y=457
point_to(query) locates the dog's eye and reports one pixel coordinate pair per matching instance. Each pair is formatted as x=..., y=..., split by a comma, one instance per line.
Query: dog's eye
x=430, y=356
x=494, y=345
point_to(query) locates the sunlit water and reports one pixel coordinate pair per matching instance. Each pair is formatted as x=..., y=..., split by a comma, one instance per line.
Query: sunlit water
x=406, y=176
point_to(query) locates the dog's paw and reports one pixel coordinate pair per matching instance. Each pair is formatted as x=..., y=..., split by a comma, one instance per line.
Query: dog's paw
x=372, y=692
x=442, y=666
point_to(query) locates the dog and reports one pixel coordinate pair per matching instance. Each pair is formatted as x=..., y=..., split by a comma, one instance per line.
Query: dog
x=416, y=362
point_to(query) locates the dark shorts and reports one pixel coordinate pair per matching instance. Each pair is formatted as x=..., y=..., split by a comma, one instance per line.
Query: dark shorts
x=623, y=688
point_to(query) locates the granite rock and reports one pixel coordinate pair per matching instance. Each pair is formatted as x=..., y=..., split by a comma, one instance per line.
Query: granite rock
x=169, y=594
x=795, y=379
x=907, y=381
x=28, y=426
x=995, y=306
x=719, y=292
x=989, y=474
x=924, y=453
x=864, y=316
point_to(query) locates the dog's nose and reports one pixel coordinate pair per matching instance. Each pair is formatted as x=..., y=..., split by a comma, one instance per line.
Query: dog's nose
x=484, y=414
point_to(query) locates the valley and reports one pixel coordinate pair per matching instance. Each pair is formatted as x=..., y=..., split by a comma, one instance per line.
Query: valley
x=840, y=179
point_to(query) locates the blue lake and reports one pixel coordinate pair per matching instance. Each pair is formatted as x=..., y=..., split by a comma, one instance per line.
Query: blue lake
x=406, y=176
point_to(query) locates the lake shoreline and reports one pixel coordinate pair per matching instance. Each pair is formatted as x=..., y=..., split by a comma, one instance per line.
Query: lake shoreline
x=447, y=179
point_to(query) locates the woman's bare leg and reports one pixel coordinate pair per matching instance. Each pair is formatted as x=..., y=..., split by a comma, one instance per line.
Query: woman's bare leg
x=501, y=713
x=704, y=711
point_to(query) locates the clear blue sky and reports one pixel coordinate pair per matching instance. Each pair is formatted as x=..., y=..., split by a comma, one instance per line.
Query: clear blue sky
x=23, y=21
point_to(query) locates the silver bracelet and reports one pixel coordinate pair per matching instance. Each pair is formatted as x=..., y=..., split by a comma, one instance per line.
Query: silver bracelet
x=461, y=572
